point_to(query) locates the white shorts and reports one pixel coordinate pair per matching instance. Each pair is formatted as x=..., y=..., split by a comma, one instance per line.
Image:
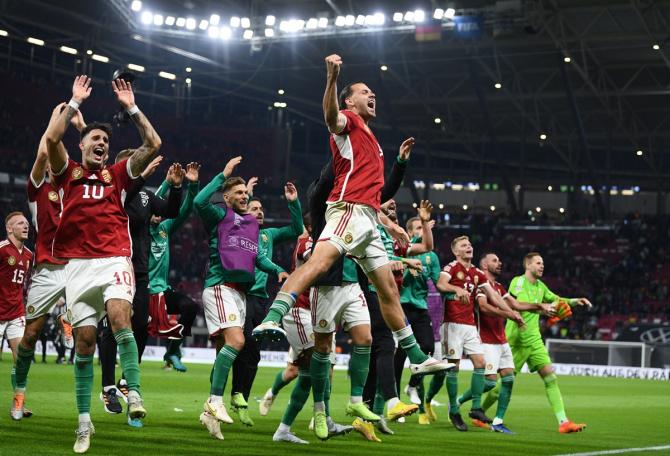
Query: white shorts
x=497, y=357
x=352, y=228
x=344, y=305
x=458, y=340
x=91, y=282
x=12, y=329
x=292, y=356
x=225, y=307
x=298, y=326
x=47, y=287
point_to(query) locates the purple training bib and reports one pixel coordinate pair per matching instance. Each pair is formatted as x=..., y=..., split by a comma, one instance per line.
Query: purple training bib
x=238, y=242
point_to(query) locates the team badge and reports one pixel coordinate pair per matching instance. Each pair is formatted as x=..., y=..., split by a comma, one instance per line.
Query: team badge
x=11, y=261
x=162, y=234
x=233, y=317
x=77, y=173
x=53, y=196
x=323, y=323
x=427, y=260
x=31, y=309
x=452, y=351
x=264, y=237
x=460, y=275
x=489, y=367
x=348, y=238
x=106, y=176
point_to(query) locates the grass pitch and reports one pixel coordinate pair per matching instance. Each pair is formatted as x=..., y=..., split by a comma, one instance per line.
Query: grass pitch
x=619, y=413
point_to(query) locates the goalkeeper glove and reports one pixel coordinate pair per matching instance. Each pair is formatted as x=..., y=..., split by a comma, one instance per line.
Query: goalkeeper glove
x=563, y=311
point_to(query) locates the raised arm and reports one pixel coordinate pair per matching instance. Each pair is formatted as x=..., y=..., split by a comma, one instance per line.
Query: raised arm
x=42, y=158
x=151, y=142
x=169, y=208
x=81, y=90
x=426, y=245
x=295, y=229
x=335, y=120
x=210, y=213
x=192, y=175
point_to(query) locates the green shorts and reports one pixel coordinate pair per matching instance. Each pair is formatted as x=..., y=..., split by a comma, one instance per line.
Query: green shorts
x=535, y=355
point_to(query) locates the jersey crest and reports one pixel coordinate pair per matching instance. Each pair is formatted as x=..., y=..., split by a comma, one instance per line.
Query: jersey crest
x=107, y=178
x=53, y=196
x=77, y=173
x=11, y=261
x=145, y=198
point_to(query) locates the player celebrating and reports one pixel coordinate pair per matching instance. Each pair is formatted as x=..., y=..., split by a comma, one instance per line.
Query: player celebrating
x=246, y=364
x=527, y=346
x=352, y=215
x=47, y=284
x=15, y=262
x=163, y=299
x=93, y=237
x=233, y=254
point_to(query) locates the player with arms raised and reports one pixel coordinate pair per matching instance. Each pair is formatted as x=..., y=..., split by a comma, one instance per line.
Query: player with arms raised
x=93, y=236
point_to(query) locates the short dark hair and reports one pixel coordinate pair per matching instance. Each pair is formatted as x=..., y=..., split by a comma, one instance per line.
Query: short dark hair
x=345, y=93
x=125, y=153
x=529, y=257
x=232, y=182
x=107, y=128
x=484, y=255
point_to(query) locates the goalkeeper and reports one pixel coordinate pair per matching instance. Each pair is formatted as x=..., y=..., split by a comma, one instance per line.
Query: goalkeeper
x=527, y=345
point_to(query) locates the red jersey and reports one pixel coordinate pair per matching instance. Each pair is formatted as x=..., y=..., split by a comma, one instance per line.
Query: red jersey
x=470, y=280
x=94, y=223
x=14, y=271
x=492, y=327
x=358, y=164
x=45, y=205
x=302, y=250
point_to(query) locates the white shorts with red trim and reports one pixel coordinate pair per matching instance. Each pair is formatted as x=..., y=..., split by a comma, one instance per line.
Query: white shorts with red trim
x=12, y=329
x=47, y=287
x=497, y=357
x=224, y=308
x=91, y=282
x=298, y=326
x=459, y=339
x=344, y=305
x=352, y=228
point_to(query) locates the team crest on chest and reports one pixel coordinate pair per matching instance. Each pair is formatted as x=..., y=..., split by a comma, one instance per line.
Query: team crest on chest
x=145, y=198
x=53, y=196
x=460, y=275
x=162, y=234
x=11, y=261
x=264, y=237
x=77, y=173
x=427, y=260
x=106, y=176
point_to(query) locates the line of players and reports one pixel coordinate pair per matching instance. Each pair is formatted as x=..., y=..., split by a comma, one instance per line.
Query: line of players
x=89, y=249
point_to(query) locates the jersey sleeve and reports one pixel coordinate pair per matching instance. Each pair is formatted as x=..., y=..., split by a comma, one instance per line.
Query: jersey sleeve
x=501, y=289
x=482, y=279
x=64, y=176
x=434, y=267
x=351, y=122
x=32, y=189
x=514, y=288
x=122, y=175
x=448, y=270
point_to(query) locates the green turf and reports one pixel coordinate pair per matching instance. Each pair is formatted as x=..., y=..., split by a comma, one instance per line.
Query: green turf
x=619, y=413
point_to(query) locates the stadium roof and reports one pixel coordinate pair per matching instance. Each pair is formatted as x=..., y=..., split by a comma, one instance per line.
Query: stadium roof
x=603, y=114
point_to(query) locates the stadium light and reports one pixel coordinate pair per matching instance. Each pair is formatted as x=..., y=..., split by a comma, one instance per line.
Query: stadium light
x=248, y=34
x=188, y=81
x=656, y=47
x=550, y=188
x=158, y=19
x=147, y=18
x=414, y=205
x=170, y=20
x=188, y=69
x=384, y=68
x=340, y=21
x=279, y=104
x=100, y=58
x=226, y=33
x=409, y=16
x=3, y=32
x=312, y=23
x=68, y=50
x=438, y=13
x=379, y=18
x=497, y=85
x=437, y=120
x=280, y=91
x=214, y=19
x=349, y=20
x=639, y=152
x=538, y=209
x=441, y=206
x=214, y=32
x=567, y=59
x=270, y=20
x=203, y=24
x=190, y=23
x=269, y=32
x=493, y=208
x=89, y=52
x=465, y=207
x=245, y=22
x=419, y=15
x=561, y=210
x=323, y=22
x=181, y=22
x=449, y=13
x=543, y=136
x=360, y=20
x=136, y=5
x=369, y=20
x=397, y=17
x=134, y=67
x=235, y=21
x=166, y=75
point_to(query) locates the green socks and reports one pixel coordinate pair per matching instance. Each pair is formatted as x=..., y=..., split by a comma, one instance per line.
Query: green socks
x=280, y=307
x=358, y=370
x=319, y=368
x=506, y=384
x=467, y=395
x=326, y=394
x=24, y=358
x=279, y=383
x=299, y=396
x=128, y=357
x=491, y=397
x=477, y=387
x=452, y=390
x=434, y=386
x=407, y=342
x=222, y=365
x=83, y=381
x=554, y=396
x=12, y=377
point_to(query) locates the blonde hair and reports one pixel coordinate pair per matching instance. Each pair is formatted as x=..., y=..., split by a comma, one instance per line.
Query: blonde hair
x=529, y=257
x=457, y=240
x=11, y=215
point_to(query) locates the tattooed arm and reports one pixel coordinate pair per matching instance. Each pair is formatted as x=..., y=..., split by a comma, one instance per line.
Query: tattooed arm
x=151, y=142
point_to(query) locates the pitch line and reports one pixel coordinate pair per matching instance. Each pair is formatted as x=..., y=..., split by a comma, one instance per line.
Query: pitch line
x=619, y=451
